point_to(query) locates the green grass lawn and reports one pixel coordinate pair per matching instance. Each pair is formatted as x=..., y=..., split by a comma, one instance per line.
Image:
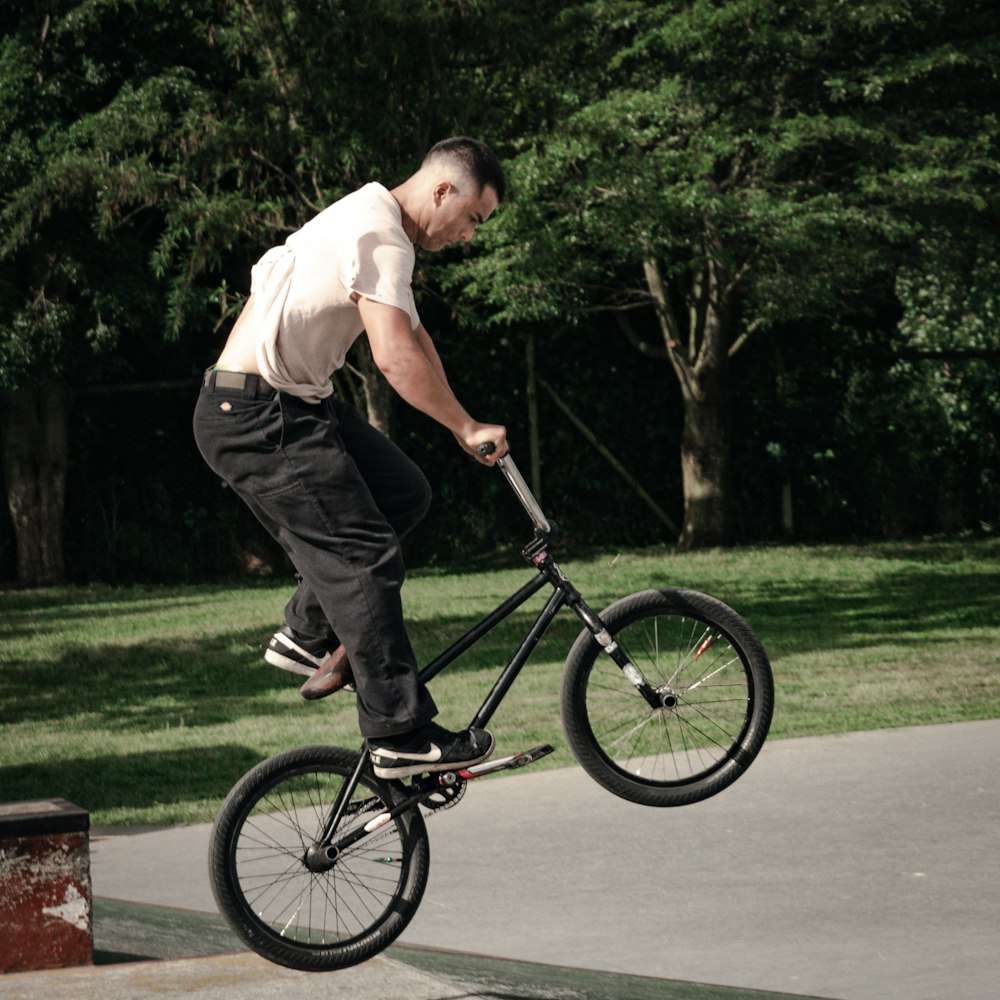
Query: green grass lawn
x=143, y=705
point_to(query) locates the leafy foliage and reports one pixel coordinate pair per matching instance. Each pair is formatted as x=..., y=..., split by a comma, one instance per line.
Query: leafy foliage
x=698, y=173
x=803, y=148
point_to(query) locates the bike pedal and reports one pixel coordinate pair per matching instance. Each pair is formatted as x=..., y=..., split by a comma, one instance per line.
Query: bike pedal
x=506, y=763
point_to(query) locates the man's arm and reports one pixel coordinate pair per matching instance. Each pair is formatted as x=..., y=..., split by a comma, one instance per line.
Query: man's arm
x=427, y=346
x=412, y=366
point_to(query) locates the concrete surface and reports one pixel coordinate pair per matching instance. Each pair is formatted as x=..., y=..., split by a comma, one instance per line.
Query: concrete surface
x=859, y=867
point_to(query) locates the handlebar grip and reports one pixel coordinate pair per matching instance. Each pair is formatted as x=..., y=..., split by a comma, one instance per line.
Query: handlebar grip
x=486, y=448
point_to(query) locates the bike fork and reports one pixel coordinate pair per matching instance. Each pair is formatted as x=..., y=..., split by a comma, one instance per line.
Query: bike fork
x=547, y=565
x=618, y=655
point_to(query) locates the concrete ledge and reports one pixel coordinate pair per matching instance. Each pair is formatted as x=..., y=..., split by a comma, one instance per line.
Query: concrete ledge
x=45, y=889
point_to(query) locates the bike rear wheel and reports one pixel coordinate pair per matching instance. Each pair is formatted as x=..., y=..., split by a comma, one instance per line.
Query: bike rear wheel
x=716, y=691
x=295, y=915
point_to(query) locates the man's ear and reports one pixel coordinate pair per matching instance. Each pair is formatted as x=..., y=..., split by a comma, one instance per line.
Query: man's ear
x=441, y=190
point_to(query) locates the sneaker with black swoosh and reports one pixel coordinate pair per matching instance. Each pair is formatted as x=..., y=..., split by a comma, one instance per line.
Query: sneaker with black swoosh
x=430, y=748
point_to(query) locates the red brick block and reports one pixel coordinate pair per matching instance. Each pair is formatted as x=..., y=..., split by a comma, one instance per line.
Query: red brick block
x=45, y=894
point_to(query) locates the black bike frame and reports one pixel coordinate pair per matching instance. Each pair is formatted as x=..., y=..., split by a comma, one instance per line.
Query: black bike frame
x=563, y=593
x=560, y=596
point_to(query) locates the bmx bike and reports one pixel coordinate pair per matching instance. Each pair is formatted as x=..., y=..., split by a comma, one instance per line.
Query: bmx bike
x=666, y=699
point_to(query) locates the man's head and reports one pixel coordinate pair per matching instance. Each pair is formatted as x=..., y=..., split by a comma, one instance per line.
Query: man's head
x=456, y=189
x=473, y=158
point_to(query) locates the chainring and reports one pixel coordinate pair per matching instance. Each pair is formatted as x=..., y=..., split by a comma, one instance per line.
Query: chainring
x=444, y=797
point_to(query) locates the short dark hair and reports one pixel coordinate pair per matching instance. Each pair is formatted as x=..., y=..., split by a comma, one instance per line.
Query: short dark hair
x=476, y=159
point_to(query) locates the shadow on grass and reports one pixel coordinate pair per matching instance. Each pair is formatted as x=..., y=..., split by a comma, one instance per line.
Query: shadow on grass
x=131, y=781
x=143, y=686
x=140, y=686
x=97, y=601
x=905, y=607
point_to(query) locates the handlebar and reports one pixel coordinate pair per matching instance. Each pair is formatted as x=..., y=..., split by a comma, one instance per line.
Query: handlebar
x=520, y=488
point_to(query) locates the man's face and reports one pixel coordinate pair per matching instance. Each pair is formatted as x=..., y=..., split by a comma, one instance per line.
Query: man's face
x=456, y=214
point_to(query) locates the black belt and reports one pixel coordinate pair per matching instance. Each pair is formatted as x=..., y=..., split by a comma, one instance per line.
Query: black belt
x=251, y=386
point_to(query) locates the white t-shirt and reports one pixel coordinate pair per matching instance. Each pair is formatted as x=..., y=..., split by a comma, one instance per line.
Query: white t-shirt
x=304, y=317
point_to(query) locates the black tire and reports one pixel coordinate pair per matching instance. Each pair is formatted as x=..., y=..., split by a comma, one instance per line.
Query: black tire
x=711, y=671
x=312, y=920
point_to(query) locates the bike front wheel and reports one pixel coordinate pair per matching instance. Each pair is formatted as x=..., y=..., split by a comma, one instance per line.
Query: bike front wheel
x=291, y=912
x=714, y=689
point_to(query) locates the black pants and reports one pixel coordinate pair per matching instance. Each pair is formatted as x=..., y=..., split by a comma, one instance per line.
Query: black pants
x=337, y=495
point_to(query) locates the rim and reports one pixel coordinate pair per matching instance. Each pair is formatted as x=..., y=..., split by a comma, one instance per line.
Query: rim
x=706, y=692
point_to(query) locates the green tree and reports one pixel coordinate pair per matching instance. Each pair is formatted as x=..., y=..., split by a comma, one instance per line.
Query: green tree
x=950, y=329
x=153, y=150
x=91, y=109
x=738, y=166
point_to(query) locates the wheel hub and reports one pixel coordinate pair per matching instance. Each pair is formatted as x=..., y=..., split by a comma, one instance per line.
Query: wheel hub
x=669, y=698
x=320, y=859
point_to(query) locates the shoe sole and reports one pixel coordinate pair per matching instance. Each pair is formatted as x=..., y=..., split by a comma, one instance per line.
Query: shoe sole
x=283, y=662
x=310, y=694
x=408, y=770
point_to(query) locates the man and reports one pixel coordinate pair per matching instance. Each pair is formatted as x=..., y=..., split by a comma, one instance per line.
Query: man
x=336, y=493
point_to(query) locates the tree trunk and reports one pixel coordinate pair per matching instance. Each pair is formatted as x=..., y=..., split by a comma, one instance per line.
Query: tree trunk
x=34, y=438
x=705, y=462
x=787, y=511
x=698, y=352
